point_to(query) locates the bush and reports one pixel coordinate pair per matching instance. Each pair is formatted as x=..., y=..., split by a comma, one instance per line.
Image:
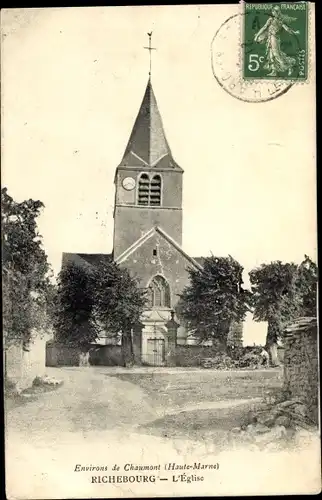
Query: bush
x=220, y=362
x=244, y=358
x=250, y=360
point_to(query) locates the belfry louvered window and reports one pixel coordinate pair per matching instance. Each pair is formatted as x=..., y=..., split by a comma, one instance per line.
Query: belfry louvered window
x=149, y=190
x=159, y=293
x=144, y=189
x=155, y=190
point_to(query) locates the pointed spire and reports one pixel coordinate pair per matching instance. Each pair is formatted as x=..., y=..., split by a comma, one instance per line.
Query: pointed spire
x=148, y=145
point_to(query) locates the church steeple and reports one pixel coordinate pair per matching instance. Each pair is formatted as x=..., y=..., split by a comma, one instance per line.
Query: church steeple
x=148, y=144
x=148, y=182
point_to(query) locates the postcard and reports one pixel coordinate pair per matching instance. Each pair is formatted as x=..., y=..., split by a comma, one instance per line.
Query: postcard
x=160, y=251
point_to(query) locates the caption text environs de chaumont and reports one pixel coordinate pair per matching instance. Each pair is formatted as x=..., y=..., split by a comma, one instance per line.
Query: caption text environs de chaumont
x=170, y=466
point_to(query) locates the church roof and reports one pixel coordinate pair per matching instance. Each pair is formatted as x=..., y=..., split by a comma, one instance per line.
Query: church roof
x=148, y=146
x=86, y=259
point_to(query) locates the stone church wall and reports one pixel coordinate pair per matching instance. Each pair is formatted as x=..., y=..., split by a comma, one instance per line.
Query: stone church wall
x=168, y=262
x=131, y=223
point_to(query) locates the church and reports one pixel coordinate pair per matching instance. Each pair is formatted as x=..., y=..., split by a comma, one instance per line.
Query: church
x=147, y=234
x=147, y=237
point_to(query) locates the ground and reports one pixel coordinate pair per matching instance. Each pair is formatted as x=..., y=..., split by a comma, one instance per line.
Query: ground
x=196, y=403
x=150, y=401
x=104, y=415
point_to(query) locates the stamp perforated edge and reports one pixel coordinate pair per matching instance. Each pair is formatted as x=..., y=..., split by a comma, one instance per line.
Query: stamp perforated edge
x=310, y=30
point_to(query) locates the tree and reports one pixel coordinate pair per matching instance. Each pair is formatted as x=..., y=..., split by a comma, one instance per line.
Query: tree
x=27, y=286
x=119, y=303
x=214, y=299
x=95, y=298
x=281, y=293
x=75, y=324
x=306, y=287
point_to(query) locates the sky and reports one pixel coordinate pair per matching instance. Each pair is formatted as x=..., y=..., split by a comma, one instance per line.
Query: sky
x=72, y=83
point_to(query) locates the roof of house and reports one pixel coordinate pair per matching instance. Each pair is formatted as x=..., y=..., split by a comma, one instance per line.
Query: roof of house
x=148, y=146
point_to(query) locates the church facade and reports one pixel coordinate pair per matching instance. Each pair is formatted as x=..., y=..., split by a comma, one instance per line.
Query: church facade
x=147, y=237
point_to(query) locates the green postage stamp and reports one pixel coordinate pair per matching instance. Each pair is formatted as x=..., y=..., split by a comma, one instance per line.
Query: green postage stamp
x=275, y=44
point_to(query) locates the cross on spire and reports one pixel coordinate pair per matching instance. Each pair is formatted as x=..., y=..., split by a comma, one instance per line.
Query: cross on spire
x=150, y=48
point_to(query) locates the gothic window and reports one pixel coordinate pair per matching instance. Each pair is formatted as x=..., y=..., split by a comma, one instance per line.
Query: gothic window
x=144, y=190
x=150, y=296
x=149, y=190
x=159, y=293
x=155, y=190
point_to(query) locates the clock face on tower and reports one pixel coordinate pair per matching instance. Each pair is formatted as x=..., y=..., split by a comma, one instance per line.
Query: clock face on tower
x=128, y=183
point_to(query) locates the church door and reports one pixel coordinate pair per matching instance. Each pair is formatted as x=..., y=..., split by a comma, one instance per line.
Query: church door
x=155, y=355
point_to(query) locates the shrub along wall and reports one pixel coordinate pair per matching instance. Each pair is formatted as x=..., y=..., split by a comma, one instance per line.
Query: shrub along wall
x=192, y=355
x=301, y=371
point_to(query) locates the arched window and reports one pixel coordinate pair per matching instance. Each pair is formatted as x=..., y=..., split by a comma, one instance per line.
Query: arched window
x=159, y=292
x=144, y=190
x=149, y=190
x=150, y=296
x=155, y=190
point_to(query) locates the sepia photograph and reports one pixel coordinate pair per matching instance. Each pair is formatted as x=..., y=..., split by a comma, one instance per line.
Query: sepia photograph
x=159, y=251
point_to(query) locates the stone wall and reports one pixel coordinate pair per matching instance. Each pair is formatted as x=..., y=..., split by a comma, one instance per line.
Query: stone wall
x=23, y=366
x=62, y=355
x=101, y=355
x=301, y=370
x=13, y=359
x=107, y=355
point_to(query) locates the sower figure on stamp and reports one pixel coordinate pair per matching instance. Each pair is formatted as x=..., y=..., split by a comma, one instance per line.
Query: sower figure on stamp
x=276, y=60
